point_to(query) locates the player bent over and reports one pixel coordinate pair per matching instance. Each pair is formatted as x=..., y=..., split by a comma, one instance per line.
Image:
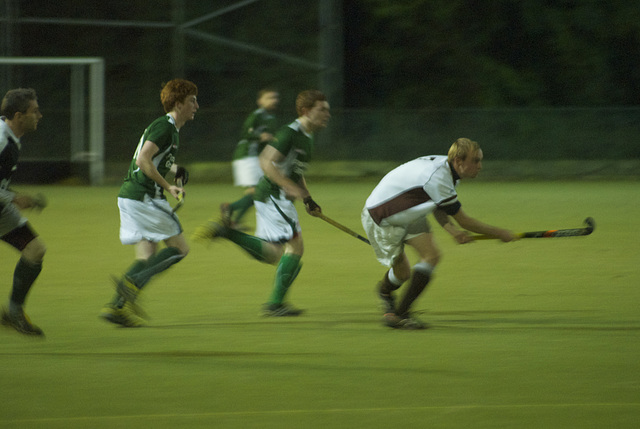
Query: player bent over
x=20, y=115
x=146, y=218
x=395, y=215
x=257, y=130
x=278, y=239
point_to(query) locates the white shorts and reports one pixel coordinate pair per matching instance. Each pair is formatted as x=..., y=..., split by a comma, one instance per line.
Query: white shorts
x=276, y=220
x=149, y=220
x=388, y=241
x=246, y=171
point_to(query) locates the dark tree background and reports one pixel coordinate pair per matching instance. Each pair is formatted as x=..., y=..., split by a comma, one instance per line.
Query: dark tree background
x=411, y=69
x=459, y=53
x=400, y=54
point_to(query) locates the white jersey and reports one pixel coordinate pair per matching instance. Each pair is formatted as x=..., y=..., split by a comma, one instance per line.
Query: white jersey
x=413, y=190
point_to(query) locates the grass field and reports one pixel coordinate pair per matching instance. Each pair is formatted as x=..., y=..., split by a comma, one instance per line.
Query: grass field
x=541, y=333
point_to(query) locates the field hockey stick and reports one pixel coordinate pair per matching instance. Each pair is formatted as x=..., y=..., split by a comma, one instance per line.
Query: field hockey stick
x=180, y=197
x=343, y=228
x=551, y=233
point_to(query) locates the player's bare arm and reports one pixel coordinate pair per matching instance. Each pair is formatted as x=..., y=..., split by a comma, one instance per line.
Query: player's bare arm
x=474, y=225
x=269, y=157
x=24, y=201
x=444, y=220
x=145, y=162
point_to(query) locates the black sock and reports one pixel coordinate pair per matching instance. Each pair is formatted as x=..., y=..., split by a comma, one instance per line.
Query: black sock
x=418, y=283
x=23, y=277
x=386, y=286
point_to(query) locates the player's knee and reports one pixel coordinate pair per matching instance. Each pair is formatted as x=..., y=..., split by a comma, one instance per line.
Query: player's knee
x=184, y=250
x=433, y=259
x=402, y=272
x=34, y=251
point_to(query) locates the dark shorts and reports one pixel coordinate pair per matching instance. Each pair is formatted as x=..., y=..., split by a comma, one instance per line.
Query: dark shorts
x=20, y=237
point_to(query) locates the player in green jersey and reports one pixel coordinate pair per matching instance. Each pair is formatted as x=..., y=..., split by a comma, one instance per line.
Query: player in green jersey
x=278, y=238
x=257, y=130
x=146, y=218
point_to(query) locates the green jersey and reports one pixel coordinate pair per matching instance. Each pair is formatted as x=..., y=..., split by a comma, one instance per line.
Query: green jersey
x=164, y=134
x=297, y=148
x=260, y=121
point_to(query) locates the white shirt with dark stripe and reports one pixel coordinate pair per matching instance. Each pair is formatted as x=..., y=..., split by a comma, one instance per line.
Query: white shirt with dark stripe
x=413, y=190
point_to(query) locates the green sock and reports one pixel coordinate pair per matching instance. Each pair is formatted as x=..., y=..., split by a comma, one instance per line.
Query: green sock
x=155, y=264
x=241, y=206
x=287, y=271
x=251, y=244
x=136, y=267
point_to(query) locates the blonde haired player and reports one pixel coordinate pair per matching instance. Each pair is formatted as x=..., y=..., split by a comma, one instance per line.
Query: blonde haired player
x=395, y=214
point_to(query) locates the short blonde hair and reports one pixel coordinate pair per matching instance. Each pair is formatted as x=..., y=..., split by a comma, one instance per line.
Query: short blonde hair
x=176, y=90
x=462, y=148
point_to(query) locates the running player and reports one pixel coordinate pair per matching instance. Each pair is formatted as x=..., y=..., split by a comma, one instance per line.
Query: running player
x=145, y=214
x=395, y=215
x=278, y=239
x=257, y=131
x=20, y=115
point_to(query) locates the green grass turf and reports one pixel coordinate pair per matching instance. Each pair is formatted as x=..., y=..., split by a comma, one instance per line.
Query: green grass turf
x=541, y=333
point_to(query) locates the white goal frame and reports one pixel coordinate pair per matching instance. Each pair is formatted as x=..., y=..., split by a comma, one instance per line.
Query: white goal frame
x=93, y=152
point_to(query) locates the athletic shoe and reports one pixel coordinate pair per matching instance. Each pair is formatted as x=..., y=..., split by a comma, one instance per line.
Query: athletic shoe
x=126, y=288
x=388, y=301
x=208, y=231
x=280, y=310
x=408, y=323
x=226, y=221
x=124, y=316
x=20, y=322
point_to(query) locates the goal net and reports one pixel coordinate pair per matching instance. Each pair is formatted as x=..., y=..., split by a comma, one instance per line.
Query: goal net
x=70, y=137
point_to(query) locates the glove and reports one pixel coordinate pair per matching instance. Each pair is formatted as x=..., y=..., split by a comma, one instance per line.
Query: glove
x=181, y=173
x=311, y=205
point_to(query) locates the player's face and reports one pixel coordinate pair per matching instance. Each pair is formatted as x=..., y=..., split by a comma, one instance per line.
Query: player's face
x=319, y=115
x=188, y=109
x=29, y=119
x=470, y=167
x=269, y=100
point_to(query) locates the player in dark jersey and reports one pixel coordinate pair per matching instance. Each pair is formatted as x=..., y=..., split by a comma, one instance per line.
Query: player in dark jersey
x=146, y=218
x=20, y=115
x=278, y=239
x=257, y=131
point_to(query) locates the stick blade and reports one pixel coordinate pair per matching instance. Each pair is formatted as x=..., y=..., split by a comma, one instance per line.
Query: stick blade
x=591, y=225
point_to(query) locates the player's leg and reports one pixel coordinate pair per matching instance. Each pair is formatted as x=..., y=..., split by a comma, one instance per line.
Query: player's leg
x=288, y=269
x=422, y=271
x=394, y=278
x=246, y=173
x=175, y=251
x=27, y=270
x=387, y=243
x=144, y=224
x=240, y=207
x=258, y=248
x=122, y=309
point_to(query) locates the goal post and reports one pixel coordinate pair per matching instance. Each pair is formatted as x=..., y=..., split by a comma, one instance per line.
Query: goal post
x=85, y=147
